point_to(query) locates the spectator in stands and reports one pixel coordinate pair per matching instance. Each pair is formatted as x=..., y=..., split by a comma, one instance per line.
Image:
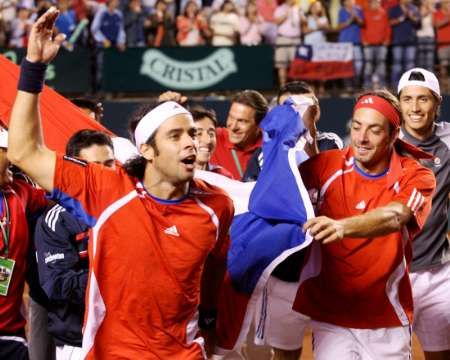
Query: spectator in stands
x=425, y=36
x=81, y=9
x=107, y=26
x=266, y=9
x=239, y=5
x=20, y=28
x=66, y=21
x=315, y=29
x=237, y=142
x=193, y=29
x=442, y=24
x=134, y=22
x=317, y=24
x=162, y=26
x=225, y=25
x=404, y=19
x=289, y=19
x=350, y=21
x=250, y=26
x=375, y=38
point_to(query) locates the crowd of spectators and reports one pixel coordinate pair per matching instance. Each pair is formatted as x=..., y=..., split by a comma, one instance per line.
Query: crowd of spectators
x=399, y=34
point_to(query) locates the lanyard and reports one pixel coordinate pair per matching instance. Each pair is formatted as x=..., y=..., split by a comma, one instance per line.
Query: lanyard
x=5, y=226
x=237, y=163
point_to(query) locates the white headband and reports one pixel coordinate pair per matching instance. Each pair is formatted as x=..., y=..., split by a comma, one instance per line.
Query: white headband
x=154, y=118
x=3, y=138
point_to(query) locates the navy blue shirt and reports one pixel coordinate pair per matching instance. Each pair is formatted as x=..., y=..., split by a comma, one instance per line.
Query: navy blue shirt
x=350, y=33
x=405, y=31
x=61, y=242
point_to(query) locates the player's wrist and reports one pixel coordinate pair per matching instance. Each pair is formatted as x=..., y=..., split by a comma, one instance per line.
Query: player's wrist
x=32, y=76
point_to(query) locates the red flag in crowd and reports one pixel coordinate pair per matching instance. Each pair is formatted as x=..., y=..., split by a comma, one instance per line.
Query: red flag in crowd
x=323, y=61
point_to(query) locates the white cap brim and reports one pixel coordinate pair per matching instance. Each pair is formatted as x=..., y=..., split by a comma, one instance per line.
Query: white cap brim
x=431, y=82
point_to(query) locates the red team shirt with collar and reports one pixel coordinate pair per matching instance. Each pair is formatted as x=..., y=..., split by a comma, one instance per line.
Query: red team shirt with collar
x=362, y=283
x=146, y=259
x=22, y=200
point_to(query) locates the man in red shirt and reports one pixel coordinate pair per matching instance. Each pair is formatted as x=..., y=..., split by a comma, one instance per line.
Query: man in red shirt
x=18, y=200
x=375, y=36
x=371, y=200
x=242, y=136
x=159, y=238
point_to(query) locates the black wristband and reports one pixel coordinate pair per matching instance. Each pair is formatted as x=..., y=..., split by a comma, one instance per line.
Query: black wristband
x=32, y=76
x=207, y=318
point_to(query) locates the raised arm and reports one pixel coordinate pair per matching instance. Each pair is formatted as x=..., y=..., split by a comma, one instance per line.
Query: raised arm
x=25, y=147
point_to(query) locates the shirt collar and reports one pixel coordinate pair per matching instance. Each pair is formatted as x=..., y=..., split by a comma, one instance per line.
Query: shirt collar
x=249, y=148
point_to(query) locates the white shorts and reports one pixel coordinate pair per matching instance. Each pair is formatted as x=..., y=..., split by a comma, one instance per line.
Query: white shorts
x=276, y=324
x=335, y=342
x=431, y=293
x=68, y=352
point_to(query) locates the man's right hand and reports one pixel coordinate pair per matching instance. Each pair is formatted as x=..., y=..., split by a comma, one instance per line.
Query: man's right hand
x=42, y=46
x=172, y=96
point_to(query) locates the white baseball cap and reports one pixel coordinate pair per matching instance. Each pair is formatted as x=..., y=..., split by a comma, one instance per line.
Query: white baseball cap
x=3, y=138
x=431, y=82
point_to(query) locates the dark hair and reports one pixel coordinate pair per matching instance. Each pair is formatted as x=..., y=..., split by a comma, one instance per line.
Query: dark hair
x=186, y=6
x=199, y=113
x=85, y=103
x=253, y=99
x=83, y=139
x=386, y=95
x=294, y=88
x=136, y=166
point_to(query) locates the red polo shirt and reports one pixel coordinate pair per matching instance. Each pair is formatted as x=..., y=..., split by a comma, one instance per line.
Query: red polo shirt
x=223, y=155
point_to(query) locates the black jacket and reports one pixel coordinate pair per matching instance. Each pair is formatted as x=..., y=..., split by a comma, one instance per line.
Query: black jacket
x=61, y=249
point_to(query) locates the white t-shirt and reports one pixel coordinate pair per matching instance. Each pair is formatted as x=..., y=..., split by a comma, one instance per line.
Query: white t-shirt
x=291, y=27
x=224, y=26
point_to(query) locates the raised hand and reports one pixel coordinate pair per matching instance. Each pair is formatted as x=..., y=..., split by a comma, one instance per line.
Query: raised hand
x=42, y=45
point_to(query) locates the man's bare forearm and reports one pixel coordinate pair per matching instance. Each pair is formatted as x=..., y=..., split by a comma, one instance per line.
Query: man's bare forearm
x=377, y=222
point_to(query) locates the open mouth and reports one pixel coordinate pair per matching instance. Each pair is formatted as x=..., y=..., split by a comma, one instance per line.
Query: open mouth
x=189, y=162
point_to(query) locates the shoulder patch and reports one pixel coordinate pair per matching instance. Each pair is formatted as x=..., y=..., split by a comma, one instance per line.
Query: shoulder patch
x=52, y=216
x=75, y=160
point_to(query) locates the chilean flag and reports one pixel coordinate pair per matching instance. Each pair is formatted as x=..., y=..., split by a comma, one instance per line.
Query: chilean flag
x=267, y=226
x=60, y=118
x=322, y=61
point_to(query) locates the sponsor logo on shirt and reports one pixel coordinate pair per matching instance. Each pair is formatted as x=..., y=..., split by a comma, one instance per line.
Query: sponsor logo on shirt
x=361, y=205
x=53, y=257
x=172, y=231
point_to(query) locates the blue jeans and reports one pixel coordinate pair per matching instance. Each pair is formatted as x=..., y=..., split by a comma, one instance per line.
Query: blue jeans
x=425, y=53
x=403, y=59
x=374, y=64
x=358, y=62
